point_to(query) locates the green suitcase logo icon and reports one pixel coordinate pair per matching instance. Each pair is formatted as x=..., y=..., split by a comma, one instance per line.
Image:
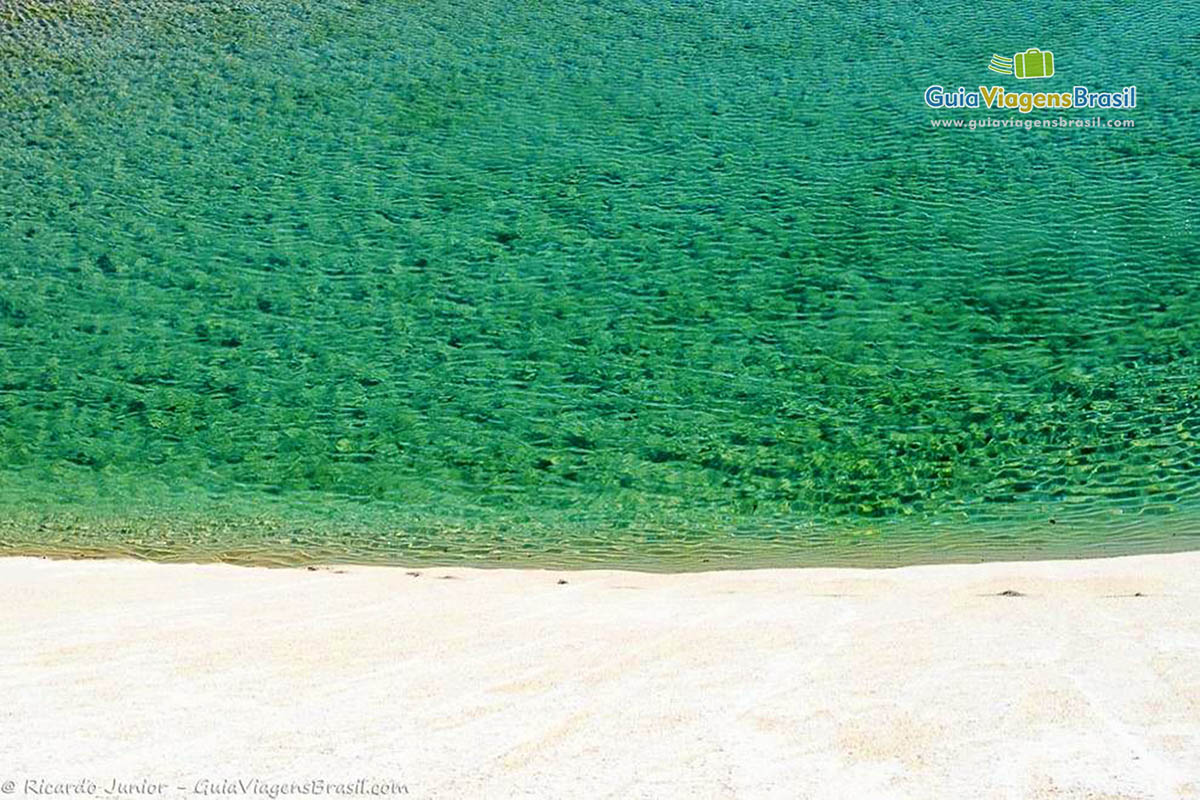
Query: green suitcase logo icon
x=1033, y=63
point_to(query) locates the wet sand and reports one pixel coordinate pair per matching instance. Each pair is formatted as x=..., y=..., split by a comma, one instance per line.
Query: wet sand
x=1057, y=679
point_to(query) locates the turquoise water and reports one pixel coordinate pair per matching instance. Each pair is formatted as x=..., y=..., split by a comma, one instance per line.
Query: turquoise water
x=669, y=284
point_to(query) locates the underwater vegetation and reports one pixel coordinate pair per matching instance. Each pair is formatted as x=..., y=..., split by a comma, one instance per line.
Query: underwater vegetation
x=524, y=279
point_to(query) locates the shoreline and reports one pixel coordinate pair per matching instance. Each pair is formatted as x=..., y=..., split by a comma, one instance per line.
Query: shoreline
x=1049, y=679
x=271, y=543
x=717, y=563
x=269, y=532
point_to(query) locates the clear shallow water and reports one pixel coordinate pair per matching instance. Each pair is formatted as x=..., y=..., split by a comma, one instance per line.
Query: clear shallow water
x=665, y=284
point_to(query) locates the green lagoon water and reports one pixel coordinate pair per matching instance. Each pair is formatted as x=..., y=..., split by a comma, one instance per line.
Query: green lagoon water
x=660, y=284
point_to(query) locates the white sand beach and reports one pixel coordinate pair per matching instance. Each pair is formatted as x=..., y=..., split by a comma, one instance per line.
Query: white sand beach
x=921, y=682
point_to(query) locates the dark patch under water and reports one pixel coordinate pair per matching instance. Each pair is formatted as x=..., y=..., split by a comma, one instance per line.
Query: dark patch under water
x=668, y=284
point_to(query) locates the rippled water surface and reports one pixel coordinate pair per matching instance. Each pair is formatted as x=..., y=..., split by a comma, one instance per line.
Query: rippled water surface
x=661, y=284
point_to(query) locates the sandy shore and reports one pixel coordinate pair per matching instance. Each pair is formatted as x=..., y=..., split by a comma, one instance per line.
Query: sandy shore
x=922, y=682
